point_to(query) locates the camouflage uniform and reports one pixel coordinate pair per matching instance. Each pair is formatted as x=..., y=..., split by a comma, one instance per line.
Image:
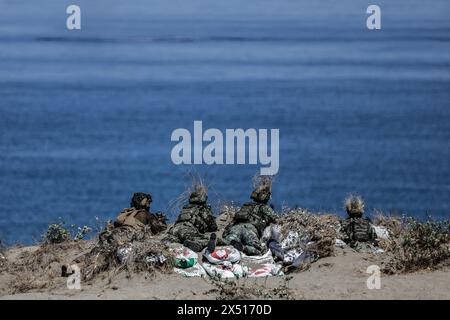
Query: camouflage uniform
x=249, y=223
x=195, y=220
x=358, y=231
x=132, y=222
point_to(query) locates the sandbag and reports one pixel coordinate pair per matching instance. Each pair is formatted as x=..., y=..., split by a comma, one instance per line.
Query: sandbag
x=195, y=271
x=291, y=255
x=339, y=243
x=381, y=232
x=223, y=254
x=184, y=257
x=225, y=270
x=265, y=258
x=292, y=240
x=265, y=270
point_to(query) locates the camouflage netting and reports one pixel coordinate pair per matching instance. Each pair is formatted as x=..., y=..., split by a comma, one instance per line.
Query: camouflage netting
x=323, y=230
x=126, y=249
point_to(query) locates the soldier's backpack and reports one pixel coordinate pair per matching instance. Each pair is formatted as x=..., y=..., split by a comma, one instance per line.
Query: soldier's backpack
x=191, y=213
x=361, y=230
x=138, y=219
x=133, y=218
x=249, y=213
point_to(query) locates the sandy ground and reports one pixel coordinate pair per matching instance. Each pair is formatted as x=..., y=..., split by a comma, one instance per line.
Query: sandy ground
x=340, y=277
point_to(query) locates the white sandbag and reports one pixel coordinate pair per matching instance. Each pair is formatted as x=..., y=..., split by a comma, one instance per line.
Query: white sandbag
x=184, y=257
x=381, y=232
x=271, y=232
x=292, y=240
x=266, y=234
x=266, y=258
x=339, y=243
x=225, y=270
x=156, y=259
x=265, y=270
x=223, y=254
x=194, y=271
x=291, y=255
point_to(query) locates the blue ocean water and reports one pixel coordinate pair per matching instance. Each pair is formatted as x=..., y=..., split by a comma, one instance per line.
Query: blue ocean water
x=86, y=116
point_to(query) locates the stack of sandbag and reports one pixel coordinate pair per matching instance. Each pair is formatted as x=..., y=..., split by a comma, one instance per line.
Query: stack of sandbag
x=223, y=263
x=261, y=266
x=227, y=262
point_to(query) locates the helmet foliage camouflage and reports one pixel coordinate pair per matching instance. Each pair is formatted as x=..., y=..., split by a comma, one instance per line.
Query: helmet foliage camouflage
x=354, y=205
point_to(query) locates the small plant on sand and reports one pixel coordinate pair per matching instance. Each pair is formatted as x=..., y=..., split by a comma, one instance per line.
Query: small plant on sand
x=59, y=233
x=56, y=233
x=418, y=245
x=81, y=233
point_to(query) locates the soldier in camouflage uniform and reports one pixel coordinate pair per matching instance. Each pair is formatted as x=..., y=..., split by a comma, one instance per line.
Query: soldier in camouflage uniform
x=249, y=222
x=195, y=219
x=358, y=231
x=139, y=216
x=132, y=224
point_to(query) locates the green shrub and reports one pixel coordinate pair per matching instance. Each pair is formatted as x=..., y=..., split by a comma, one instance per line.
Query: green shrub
x=56, y=233
x=59, y=233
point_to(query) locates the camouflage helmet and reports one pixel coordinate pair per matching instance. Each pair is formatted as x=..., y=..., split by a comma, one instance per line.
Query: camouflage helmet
x=199, y=196
x=138, y=202
x=354, y=205
x=261, y=194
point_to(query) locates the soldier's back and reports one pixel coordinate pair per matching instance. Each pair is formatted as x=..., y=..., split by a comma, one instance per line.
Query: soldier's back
x=362, y=229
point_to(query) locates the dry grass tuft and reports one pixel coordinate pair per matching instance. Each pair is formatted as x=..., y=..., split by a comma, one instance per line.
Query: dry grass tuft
x=414, y=245
x=320, y=229
x=196, y=184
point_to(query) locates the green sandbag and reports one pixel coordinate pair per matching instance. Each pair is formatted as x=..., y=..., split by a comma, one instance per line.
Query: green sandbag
x=185, y=263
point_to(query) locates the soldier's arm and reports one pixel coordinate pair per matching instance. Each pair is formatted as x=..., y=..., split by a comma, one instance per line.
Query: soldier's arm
x=372, y=233
x=268, y=212
x=345, y=230
x=211, y=222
